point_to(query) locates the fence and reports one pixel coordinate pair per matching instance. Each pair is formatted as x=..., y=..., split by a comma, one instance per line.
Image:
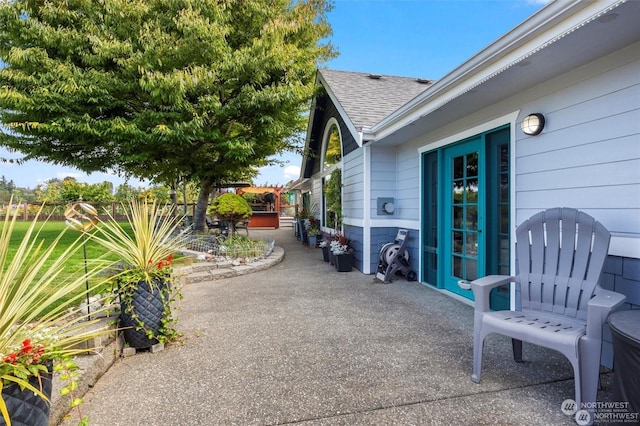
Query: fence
x=55, y=210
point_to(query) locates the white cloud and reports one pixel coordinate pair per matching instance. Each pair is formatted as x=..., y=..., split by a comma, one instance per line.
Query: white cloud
x=291, y=172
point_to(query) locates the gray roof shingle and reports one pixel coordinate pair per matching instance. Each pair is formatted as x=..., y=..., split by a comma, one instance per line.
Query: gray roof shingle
x=369, y=98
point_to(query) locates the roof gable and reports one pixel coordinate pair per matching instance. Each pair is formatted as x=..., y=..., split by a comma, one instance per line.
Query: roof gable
x=366, y=98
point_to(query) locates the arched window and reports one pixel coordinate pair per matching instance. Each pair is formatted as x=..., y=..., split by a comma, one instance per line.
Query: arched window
x=332, y=176
x=332, y=147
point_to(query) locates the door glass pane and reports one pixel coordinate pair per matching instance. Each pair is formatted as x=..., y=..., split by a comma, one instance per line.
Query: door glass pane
x=458, y=193
x=471, y=266
x=457, y=242
x=471, y=248
x=504, y=188
x=472, y=218
x=458, y=217
x=472, y=164
x=458, y=167
x=472, y=190
x=456, y=266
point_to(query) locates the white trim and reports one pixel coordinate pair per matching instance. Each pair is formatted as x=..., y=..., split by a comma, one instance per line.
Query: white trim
x=510, y=119
x=338, y=106
x=625, y=246
x=325, y=144
x=396, y=223
x=366, y=205
x=512, y=205
x=476, y=130
x=550, y=24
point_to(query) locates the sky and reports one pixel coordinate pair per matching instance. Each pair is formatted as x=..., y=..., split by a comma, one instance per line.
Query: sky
x=410, y=38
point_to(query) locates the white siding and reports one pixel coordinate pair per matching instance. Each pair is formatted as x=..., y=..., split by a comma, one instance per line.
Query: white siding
x=383, y=177
x=408, y=188
x=353, y=185
x=588, y=155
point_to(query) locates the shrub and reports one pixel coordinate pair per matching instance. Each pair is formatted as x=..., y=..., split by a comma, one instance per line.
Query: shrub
x=231, y=208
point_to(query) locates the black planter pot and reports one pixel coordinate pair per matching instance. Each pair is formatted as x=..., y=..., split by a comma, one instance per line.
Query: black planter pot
x=26, y=408
x=325, y=253
x=344, y=262
x=147, y=304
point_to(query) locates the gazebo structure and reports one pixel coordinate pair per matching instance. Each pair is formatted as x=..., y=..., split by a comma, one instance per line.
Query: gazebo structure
x=265, y=205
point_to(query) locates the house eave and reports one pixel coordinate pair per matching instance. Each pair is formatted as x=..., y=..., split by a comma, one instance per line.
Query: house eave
x=541, y=30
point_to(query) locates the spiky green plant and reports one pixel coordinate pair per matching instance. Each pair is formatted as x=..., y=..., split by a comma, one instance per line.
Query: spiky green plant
x=36, y=329
x=154, y=236
x=146, y=254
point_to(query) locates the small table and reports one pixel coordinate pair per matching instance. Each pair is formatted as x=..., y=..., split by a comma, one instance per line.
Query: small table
x=625, y=331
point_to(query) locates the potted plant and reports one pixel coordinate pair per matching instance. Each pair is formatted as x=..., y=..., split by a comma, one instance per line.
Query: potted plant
x=324, y=245
x=313, y=230
x=301, y=217
x=41, y=328
x=341, y=249
x=144, y=282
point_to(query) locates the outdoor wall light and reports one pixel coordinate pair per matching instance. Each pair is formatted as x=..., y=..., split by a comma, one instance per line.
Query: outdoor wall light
x=533, y=124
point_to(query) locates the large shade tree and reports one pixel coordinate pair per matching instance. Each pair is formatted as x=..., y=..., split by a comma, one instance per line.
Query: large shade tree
x=196, y=90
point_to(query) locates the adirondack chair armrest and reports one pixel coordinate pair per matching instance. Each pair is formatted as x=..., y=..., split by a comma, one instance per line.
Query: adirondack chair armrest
x=482, y=288
x=598, y=308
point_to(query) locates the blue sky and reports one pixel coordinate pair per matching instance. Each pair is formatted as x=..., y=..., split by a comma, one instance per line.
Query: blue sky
x=413, y=38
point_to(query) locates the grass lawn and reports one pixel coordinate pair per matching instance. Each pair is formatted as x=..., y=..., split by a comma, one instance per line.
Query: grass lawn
x=48, y=233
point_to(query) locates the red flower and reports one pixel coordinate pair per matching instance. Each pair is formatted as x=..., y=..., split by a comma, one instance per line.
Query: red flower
x=160, y=264
x=11, y=358
x=170, y=258
x=26, y=346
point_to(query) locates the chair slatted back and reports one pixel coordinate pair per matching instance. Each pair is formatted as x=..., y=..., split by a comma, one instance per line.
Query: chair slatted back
x=560, y=255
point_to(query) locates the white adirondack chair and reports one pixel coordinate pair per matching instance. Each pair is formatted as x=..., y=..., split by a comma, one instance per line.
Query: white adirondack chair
x=559, y=305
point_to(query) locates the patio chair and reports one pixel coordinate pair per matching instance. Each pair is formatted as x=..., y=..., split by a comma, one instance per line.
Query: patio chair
x=559, y=305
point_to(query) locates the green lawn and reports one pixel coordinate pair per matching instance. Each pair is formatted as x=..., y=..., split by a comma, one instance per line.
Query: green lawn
x=49, y=232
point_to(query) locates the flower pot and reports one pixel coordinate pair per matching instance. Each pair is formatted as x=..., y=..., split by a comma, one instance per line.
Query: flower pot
x=147, y=305
x=313, y=240
x=26, y=408
x=325, y=253
x=344, y=262
x=332, y=258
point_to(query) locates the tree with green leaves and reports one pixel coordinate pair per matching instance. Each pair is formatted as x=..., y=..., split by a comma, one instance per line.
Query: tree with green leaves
x=231, y=208
x=167, y=90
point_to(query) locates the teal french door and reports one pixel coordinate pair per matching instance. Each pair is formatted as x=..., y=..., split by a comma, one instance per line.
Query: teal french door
x=465, y=225
x=464, y=206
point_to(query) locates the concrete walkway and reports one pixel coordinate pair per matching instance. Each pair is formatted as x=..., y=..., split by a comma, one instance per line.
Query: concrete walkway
x=300, y=343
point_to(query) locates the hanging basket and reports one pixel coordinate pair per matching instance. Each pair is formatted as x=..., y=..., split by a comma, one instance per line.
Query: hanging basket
x=147, y=305
x=25, y=407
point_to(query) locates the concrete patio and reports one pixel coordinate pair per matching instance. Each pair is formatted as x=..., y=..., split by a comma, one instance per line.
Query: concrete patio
x=302, y=343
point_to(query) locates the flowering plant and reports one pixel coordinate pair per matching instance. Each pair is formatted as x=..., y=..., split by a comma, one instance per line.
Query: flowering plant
x=40, y=329
x=146, y=256
x=337, y=248
x=322, y=244
x=340, y=244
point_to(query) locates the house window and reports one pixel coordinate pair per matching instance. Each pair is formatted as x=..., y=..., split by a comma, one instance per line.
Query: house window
x=332, y=176
x=332, y=148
